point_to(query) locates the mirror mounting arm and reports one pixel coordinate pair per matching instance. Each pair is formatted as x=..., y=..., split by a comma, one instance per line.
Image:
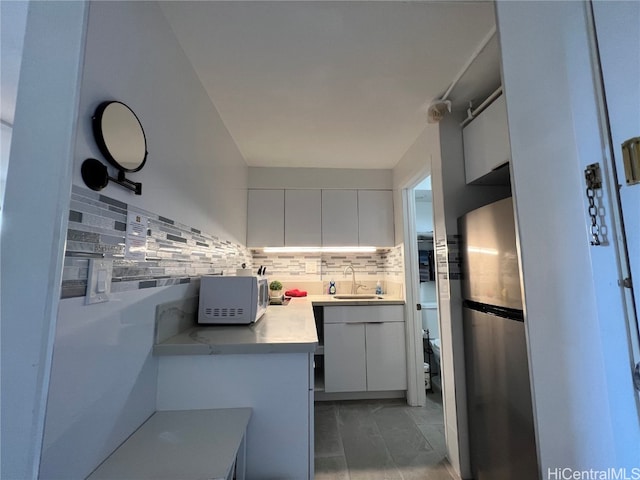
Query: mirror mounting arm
x=136, y=187
x=96, y=177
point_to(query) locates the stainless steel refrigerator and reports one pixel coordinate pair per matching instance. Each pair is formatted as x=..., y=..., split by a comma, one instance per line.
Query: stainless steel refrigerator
x=501, y=431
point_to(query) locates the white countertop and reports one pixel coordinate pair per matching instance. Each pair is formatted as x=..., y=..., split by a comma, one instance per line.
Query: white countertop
x=283, y=329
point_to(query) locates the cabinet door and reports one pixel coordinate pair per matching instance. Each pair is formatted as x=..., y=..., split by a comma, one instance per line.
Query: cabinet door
x=345, y=368
x=265, y=218
x=339, y=218
x=486, y=141
x=302, y=218
x=375, y=218
x=386, y=357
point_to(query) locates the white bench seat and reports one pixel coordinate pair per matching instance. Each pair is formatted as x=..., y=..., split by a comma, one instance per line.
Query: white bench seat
x=182, y=444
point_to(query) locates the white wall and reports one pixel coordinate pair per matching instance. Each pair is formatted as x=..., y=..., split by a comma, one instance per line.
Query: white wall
x=194, y=171
x=451, y=199
x=103, y=380
x=348, y=178
x=428, y=293
x=424, y=216
x=424, y=223
x=584, y=405
x=13, y=20
x=5, y=143
x=414, y=165
x=103, y=376
x=438, y=151
x=34, y=222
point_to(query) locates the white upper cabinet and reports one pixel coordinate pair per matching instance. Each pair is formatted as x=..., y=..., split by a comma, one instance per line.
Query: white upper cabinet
x=330, y=218
x=375, y=218
x=486, y=142
x=302, y=218
x=265, y=218
x=340, y=218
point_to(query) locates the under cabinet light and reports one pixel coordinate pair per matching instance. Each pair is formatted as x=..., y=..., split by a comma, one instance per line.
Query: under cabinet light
x=319, y=249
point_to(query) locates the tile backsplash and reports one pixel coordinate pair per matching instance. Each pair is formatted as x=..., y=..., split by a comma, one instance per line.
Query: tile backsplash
x=174, y=253
x=304, y=268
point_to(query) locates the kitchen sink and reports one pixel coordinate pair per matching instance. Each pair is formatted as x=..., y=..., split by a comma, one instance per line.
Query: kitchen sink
x=358, y=296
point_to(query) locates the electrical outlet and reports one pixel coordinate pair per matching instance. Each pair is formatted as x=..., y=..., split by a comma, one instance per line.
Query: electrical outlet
x=99, y=281
x=311, y=266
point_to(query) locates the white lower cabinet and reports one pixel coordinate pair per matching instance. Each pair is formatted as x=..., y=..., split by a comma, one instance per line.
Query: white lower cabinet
x=345, y=363
x=386, y=359
x=364, y=349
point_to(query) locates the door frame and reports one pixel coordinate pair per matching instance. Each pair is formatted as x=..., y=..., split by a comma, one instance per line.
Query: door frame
x=416, y=395
x=613, y=176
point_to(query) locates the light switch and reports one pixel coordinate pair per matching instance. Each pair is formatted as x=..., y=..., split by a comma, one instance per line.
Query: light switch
x=102, y=281
x=99, y=281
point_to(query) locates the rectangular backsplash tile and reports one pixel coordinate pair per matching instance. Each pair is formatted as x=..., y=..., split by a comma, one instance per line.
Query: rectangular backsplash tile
x=174, y=254
x=383, y=263
x=394, y=264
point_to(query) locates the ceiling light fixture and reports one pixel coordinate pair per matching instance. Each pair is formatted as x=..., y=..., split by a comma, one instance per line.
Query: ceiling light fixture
x=437, y=110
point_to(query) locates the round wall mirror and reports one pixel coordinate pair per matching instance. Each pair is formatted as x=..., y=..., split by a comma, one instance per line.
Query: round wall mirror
x=120, y=136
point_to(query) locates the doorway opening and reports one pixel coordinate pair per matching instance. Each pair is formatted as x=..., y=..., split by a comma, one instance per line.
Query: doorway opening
x=427, y=293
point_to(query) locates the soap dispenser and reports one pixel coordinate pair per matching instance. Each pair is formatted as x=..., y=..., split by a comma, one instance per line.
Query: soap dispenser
x=378, y=288
x=332, y=287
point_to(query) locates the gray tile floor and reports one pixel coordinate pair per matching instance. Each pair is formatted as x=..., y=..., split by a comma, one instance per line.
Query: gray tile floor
x=380, y=439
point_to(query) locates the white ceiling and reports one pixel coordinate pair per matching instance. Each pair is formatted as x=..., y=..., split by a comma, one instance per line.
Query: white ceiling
x=333, y=84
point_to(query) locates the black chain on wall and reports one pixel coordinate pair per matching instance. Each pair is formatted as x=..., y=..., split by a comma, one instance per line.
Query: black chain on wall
x=592, y=178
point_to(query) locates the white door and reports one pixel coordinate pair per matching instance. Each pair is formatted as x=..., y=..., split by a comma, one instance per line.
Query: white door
x=375, y=218
x=386, y=356
x=618, y=33
x=302, y=218
x=265, y=218
x=339, y=218
x=345, y=368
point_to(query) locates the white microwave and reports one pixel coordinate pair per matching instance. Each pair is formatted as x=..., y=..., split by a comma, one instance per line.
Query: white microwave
x=232, y=300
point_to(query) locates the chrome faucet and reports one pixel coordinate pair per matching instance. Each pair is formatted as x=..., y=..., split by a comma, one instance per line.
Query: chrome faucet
x=354, y=286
